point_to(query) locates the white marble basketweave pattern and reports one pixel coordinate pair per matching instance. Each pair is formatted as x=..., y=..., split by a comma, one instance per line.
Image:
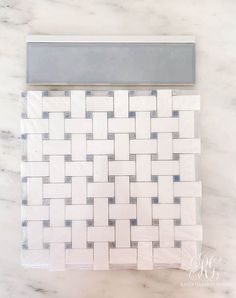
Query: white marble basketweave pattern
x=109, y=180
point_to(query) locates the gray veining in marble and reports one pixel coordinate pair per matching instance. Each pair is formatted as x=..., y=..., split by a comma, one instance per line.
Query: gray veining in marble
x=213, y=24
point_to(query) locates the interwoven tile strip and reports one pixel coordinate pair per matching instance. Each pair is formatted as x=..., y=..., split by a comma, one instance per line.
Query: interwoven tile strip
x=109, y=180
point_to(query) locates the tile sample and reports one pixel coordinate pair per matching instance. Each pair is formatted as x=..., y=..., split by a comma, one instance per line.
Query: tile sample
x=109, y=180
x=81, y=60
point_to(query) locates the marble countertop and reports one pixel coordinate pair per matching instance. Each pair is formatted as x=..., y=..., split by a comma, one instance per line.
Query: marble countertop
x=213, y=24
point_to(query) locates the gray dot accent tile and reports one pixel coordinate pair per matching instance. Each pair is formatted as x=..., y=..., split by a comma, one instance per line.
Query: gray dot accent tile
x=24, y=223
x=45, y=136
x=24, y=136
x=132, y=178
x=46, y=202
x=68, y=201
x=174, y=92
x=133, y=200
x=155, y=200
x=110, y=114
x=132, y=114
x=45, y=115
x=68, y=245
x=67, y=136
x=111, y=200
x=45, y=93
x=88, y=93
x=46, y=157
x=24, y=158
x=89, y=136
x=176, y=178
x=131, y=93
x=111, y=136
x=68, y=158
x=175, y=156
x=133, y=222
x=89, y=115
x=46, y=180
x=90, y=201
x=68, y=223
x=132, y=157
x=111, y=157
x=90, y=179
x=175, y=135
x=67, y=93
x=112, y=244
x=153, y=114
x=155, y=244
x=177, y=244
x=90, y=244
x=111, y=222
x=67, y=115
x=177, y=221
x=111, y=178
x=175, y=114
x=155, y=222
x=154, y=178
x=154, y=135
x=176, y=200
x=89, y=157
x=46, y=223
x=154, y=93
x=46, y=245
x=154, y=156
x=90, y=223
x=132, y=136
x=68, y=179
x=134, y=244
x=25, y=246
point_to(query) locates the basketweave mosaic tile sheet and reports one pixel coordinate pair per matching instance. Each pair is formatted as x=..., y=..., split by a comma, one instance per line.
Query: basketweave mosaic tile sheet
x=109, y=180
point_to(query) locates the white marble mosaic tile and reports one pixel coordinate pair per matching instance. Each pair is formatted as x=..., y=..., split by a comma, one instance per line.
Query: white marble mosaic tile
x=109, y=180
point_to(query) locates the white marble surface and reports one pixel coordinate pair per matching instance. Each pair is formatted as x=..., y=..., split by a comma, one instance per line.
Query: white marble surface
x=213, y=23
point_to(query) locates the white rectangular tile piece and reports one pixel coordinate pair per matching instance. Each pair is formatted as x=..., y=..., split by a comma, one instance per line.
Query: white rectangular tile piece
x=34, y=104
x=165, y=146
x=57, y=168
x=56, y=104
x=121, y=103
x=124, y=256
x=100, y=125
x=56, y=126
x=99, y=104
x=82, y=257
x=143, y=103
x=164, y=103
x=35, y=234
x=167, y=255
x=123, y=233
x=78, y=103
x=109, y=180
x=145, y=258
x=34, y=191
x=34, y=147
